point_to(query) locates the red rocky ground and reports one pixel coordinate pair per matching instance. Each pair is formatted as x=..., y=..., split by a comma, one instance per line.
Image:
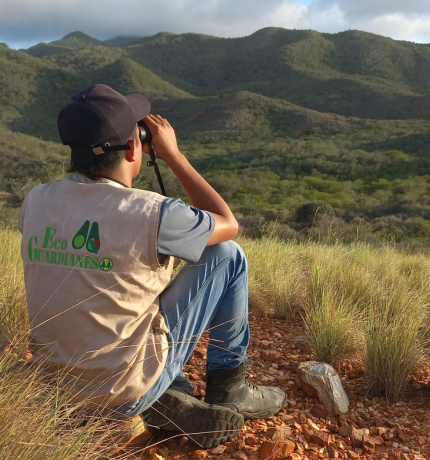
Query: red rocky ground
x=372, y=428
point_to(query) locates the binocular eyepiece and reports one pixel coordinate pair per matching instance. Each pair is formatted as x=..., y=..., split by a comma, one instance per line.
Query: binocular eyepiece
x=145, y=133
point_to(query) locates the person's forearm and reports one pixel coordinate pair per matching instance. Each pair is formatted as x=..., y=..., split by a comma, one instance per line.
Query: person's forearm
x=201, y=194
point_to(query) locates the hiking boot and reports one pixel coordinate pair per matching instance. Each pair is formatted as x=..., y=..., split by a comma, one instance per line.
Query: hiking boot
x=231, y=387
x=206, y=424
x=181, y=383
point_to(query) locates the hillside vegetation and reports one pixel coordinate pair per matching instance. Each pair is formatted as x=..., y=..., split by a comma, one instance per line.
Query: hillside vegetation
x=352, y=73
x=327, y=134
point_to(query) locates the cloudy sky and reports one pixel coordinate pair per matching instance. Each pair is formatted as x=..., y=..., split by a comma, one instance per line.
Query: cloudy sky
x=24, y=23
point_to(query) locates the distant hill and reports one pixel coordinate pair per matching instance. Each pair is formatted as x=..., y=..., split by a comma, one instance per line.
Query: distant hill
x=245, y=115
x=74, y=40
x=351, y=73
x=33, y=90
x=121, y=40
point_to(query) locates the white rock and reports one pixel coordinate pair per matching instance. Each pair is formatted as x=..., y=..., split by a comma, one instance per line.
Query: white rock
x=321, y=380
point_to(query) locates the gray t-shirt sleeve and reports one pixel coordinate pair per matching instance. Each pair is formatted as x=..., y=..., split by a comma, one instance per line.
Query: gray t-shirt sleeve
x=183, y=230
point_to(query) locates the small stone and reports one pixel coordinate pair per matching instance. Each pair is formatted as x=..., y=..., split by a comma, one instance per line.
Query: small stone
x=333, y=454
x=422, y=440
x=200, y=351
x=270, y=355
x=295, y=456
x=342, y=420
x=352, y=432
x=218, y=450
x=312, y=425
x=283, y=432
x=194, y=376
x=183, y=441
x=368, y=446
x=231, y=448
x=250, y=441
x=133, y=431
x=352, y=454
x=321, y=438
x=377, y=440
x=322, y=411
x=378, y=430
x=386, y=436
x=404, y=437
x=362, y=424
x=292, y=365
x=276, y=450
x=303, y=343
x=298, y=427
x=240, y=455
x=200, y=455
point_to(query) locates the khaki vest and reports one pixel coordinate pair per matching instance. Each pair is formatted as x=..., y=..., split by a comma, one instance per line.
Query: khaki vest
x=93, y=279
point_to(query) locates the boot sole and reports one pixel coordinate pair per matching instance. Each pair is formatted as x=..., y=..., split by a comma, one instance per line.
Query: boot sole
x=206, y=424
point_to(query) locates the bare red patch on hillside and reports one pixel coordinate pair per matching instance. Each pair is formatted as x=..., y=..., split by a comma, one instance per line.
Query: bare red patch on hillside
x=424, y=105
x=182, y=125
x=310, y=124
x=167, y=107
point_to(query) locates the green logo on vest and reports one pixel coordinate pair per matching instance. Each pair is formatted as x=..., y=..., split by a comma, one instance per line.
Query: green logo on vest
x=106, y=264
x=92, y=239
x=54, y=249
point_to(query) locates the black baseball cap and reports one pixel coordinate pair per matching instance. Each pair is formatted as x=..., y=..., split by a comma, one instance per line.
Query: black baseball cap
x=101, y=118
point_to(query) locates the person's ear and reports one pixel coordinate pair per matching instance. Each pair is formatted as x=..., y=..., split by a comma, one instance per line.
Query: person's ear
x=130, y=155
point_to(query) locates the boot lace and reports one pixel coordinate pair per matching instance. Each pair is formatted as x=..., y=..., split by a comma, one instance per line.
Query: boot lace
x=248, y=383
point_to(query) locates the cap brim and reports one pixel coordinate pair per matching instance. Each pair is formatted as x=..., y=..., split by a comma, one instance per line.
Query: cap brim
x=140, y=105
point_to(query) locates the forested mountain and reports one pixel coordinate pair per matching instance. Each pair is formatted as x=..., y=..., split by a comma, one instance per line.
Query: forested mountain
x=351, y=73
x=325, y=133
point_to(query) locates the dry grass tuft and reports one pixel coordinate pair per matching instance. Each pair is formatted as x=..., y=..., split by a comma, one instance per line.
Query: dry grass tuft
x=353, y=299
x=37, y=421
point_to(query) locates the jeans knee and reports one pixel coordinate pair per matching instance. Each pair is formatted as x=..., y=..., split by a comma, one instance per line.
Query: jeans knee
x=227, y=249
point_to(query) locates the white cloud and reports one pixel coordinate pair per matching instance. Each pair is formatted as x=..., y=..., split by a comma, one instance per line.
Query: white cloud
x=399, y=26
x=27, y=21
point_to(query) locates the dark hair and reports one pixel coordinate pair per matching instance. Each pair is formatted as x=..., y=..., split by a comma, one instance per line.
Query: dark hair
x=83, y=160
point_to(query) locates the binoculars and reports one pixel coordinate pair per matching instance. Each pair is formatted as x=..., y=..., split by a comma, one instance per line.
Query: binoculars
x=145, y=133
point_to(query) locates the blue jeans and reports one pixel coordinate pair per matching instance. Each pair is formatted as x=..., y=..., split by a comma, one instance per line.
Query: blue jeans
x=211, y=294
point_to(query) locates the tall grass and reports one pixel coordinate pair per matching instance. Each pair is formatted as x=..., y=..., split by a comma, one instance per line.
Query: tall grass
x=333, y=322
x=13, y=313
x=356, y=301
x=37, y=423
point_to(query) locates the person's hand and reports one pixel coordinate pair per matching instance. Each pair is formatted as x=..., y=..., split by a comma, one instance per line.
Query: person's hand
x=163, y=138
